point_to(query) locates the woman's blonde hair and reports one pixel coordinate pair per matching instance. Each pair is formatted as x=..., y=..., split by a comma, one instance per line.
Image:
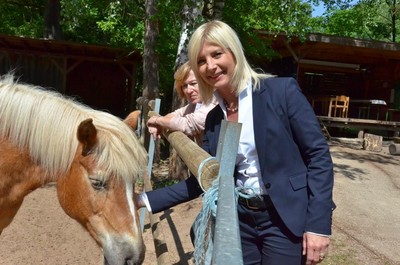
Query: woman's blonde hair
x=221, y=34
x=181, y=74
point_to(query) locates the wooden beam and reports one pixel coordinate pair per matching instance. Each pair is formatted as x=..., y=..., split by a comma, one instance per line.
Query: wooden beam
x=198, y=161
x=360, y=123
x=202, y=165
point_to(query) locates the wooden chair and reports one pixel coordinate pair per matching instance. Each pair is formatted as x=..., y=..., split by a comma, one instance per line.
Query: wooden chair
x=339, y=106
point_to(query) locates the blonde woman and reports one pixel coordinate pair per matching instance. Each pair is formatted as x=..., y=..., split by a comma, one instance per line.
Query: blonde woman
x=284, y=171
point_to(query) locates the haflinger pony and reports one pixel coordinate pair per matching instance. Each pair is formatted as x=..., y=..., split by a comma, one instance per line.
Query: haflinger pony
x=93, y=156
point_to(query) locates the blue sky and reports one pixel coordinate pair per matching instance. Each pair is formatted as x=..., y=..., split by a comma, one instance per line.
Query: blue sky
x=320, y=9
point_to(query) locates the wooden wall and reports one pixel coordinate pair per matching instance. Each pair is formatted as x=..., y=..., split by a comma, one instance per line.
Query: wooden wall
x=101, y=83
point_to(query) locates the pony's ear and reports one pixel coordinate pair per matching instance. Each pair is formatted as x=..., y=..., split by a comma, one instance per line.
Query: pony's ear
x=132, y=119
x=87, y=135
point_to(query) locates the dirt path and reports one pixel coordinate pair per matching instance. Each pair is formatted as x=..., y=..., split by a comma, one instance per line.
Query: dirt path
x=366, y=221
x=367, y=193
x=42, y=233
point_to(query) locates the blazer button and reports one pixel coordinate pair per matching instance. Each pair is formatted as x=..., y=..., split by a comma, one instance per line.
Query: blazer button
x=267, y=185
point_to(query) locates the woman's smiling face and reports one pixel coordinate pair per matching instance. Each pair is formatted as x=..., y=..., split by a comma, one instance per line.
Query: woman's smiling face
x=216, y=65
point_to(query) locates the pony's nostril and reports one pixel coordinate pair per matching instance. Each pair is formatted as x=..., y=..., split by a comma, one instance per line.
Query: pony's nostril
x=130, y=262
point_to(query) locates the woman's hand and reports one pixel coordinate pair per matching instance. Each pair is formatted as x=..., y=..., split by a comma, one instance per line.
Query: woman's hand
x=155, y=129
x=315, y=247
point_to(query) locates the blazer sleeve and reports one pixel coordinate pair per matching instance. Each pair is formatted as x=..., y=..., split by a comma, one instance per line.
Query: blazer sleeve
x=314, y=149
x=167, y=197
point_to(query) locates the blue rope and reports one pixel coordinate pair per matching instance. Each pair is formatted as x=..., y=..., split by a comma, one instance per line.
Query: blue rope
x=205, y=221
x=204, y=226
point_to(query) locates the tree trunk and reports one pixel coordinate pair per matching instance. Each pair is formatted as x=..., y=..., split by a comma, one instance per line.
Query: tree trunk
x=192, y=10
x=394, y=12
x=190, y=13
x=150, y=65
x=52, y=20
x=150, y=58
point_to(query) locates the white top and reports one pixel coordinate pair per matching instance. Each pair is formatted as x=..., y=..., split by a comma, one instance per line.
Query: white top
x=247, y=164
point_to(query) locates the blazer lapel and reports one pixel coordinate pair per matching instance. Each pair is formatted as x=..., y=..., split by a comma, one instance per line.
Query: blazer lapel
x=260, y=110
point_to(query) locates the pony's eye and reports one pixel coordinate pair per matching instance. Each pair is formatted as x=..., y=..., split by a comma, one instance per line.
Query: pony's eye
x=98, y=184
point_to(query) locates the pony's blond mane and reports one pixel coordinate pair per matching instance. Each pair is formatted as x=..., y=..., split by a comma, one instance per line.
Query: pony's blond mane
x=46, y=124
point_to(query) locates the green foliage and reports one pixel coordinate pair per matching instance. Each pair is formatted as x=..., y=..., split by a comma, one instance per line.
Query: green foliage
x=368, y=19
x=167, y=45
x=121, y=24
x=114, y=23
x=275, y=16
x=22, y=17
x=346, y=23
x=336, y=4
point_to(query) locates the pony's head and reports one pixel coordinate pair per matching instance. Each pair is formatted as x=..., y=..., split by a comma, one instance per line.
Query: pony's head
x=93, y=156
x=100, y=198
x=98, y=193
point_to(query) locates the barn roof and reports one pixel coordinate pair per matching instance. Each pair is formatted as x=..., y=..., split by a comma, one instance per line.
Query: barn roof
x=334, y=51
x=66, y=49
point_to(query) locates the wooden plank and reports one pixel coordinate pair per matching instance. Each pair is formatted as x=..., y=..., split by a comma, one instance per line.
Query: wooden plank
x=198, y=161
x=360, y=123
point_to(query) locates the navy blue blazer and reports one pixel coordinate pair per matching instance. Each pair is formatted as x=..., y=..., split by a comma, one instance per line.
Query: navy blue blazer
x=295, y=161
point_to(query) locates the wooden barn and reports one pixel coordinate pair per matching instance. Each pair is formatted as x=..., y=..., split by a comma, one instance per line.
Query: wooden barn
x=102, y=77
x=368, y=72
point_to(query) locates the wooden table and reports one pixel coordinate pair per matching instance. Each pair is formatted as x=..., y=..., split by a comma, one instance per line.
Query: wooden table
x=366, y=104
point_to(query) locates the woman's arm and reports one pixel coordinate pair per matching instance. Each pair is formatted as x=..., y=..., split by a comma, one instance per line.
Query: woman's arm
x=167, y=197
x=191, y=123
